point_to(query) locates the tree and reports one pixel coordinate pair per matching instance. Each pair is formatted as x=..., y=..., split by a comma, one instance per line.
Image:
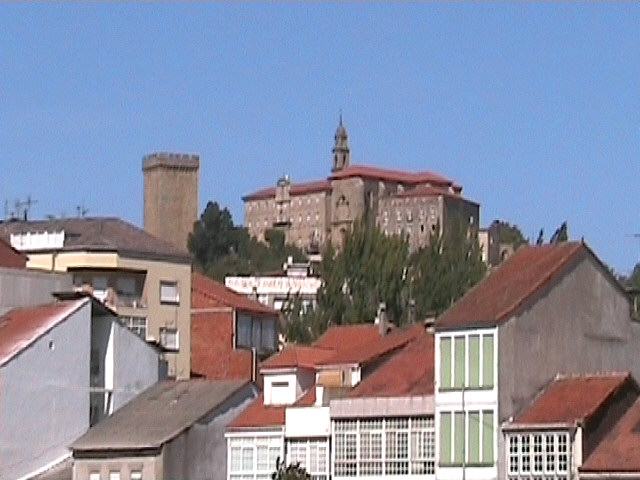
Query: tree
x=220, y=248
x=510, y=234
x=540, y=239
x=444, y=270
x=561, y=234
x=289, y=472
x=367, y=271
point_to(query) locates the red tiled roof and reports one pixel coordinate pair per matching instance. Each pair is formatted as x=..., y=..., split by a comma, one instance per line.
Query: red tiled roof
x=619, y=450
x=259, y=415
x=509, y=287
x=430, y=191
x=572, y=399
x=10, y=257
x=308, y=399
x=345, y=337
x=296, y=189
x=20, y=327
x=297, y=356
x=408, y=372
x=391, y=175
x=379, y=347
x=206, y=292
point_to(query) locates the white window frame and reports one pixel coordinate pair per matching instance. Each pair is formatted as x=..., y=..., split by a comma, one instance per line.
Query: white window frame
x=312, y=454
x=251, y=446
x=516, y=458
x=481, y=380
x=167, y=333
x=482, y=412
x=400, y=451
x=166, y=296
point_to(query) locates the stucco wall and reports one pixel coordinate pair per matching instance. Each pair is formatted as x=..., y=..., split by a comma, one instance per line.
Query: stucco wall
x=21, y=288
x=150, y=466
x=581, y=324
x=201, y=451
x=44, y=399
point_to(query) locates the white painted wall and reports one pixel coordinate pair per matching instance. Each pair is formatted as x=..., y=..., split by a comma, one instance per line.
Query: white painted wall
x=307, y=422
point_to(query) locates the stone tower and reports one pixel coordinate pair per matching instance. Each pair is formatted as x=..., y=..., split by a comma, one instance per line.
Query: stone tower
x=341, y=154
x=170, y=195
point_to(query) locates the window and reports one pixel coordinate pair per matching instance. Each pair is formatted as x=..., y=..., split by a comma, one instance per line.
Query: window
x=467, y=361
x=256, y=332
x=169, y=292
x=311, y=454
x=169, y=338
x=544, y=454
x=94, y=476
x=467, y=438
x=137, y=325
x=384, y=446
x=136, y=475
x=114, y=475
x=253, y=458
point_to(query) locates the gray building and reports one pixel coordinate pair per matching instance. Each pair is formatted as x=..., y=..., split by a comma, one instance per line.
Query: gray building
x=22, y=287
x=174, y=430
x=63, y=367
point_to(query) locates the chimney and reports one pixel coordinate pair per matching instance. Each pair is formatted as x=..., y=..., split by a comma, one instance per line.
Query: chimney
x=381, y=318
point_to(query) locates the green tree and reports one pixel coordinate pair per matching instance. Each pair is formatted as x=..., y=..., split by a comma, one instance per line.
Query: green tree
x=220, y=248
x=510, y=234
x=289, y=472
x=367, y=271
x=444, y=270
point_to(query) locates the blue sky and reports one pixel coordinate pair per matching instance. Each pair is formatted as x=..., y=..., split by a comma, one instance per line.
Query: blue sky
x=533, y=108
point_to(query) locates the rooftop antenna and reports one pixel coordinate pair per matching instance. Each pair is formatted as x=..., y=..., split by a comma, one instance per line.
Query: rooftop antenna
x=340, y=117
x=81, y=210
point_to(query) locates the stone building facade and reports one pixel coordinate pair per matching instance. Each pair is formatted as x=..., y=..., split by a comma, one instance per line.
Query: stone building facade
x=316, y=213
x=171, y=196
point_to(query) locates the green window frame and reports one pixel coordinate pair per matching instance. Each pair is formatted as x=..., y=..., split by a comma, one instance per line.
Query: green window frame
x=445, y=362
x=445, y=438
x=458, y=437
x=459, y=362
x=474, y=438
x=487, y=360
x=474, y=361
x=487, y=437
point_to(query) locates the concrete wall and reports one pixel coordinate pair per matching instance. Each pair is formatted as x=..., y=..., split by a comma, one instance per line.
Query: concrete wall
x=44, y=400
x=581, y=324
x=201, y=451
x=136, y=364
x=21, y=288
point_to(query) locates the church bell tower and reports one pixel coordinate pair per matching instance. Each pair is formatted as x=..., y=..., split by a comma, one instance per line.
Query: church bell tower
x=341, y=153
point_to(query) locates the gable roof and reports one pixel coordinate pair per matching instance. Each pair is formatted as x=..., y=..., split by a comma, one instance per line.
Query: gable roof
x=398, y=176
x=297, y=356
x=21, y=327
x=343, y=337
x=619, y=450
x=259, y=415
x=206, y=292
x=10, y=257
x=105, y=234
x=409, y=372
x=158, y=414
x=295, y=189
x=511, y=286
x=572, y=399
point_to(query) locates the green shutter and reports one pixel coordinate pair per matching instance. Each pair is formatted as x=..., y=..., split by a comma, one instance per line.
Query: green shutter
x=445, y=362
x=487, y=360
x=459, y=360
x=458, y=438
x=474, y=361
x=445, y=438
x=487, y=437
x=474, y=437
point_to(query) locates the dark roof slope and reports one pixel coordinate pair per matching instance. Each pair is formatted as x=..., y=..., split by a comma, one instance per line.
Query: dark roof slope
x=408, y=372
x=158, y=414
x=20, y=327
x=10, y=257
x=619, y=451
x=572, y=399
x=510, y=286
x=107, y=234
x=206, y=292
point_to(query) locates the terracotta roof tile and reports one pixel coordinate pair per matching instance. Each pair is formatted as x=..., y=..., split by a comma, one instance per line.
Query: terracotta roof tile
x=619, y=450
x=296, y=189
x=20, y=327
x=572, y=399
x=375, y=349
x=510, y=286
x=259, y=415
x=308, y=399
x=408, y=372
x=301, y=356
x=399, y=176
x=345, y=337
x=206, y=292
x=429, y=191
x=10, y=257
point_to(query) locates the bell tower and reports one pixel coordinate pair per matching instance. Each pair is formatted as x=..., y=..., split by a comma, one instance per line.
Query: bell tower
x=341, y=153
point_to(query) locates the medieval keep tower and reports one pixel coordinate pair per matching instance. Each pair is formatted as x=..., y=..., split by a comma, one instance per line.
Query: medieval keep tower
x=170, y=195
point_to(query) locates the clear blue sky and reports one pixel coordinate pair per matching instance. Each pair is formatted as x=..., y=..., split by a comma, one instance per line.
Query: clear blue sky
x=533, y=108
